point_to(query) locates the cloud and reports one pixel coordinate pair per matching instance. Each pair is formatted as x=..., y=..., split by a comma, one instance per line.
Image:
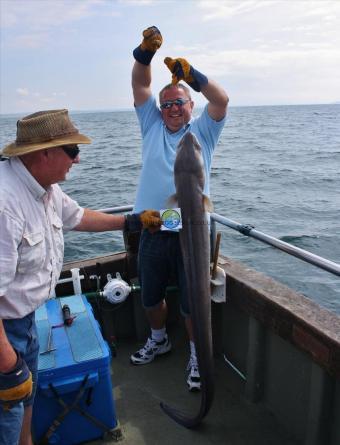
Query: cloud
x=8, y=18
x=22, y=91
x=321, y=8
x=251, y=47
x=39, y=97
x=222, y=9
x=55, y=13
x=269, y=60
x=139, y=2
x=273, y=20
x=31, y=24
x=29, y=41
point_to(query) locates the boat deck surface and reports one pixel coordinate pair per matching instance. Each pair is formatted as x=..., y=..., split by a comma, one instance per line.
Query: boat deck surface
x=138, y=391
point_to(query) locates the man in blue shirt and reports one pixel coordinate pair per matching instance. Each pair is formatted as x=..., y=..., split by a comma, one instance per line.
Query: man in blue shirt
x=162, y=129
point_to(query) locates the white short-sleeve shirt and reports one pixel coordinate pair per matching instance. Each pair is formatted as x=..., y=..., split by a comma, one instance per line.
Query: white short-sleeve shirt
x=32, y=221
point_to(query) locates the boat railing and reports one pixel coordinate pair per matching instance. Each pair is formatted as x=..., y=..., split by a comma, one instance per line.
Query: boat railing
x=249, y=230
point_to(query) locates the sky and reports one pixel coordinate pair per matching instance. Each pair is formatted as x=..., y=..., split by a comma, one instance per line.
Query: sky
x=77, y=54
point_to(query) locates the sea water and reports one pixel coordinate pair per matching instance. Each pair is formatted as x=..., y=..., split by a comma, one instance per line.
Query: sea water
x=275, y=167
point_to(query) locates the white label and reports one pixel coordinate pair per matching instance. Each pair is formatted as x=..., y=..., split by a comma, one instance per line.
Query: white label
x=171, y=219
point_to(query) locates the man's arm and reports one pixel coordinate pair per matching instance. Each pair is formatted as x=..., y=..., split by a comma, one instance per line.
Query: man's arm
x=8, y=357
x=217, y=98
x=141, y=72
x=94, y=221
x=141, y=83
x=15, y=377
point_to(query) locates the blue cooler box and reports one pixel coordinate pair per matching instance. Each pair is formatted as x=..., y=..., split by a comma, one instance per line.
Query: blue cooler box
x=74, y=401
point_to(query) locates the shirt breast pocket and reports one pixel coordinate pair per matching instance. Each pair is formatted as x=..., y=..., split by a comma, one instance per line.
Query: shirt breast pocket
x=31, y=252
x=58, y=236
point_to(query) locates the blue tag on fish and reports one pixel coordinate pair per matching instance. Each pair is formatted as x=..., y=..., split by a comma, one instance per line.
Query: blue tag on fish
x=171, y=219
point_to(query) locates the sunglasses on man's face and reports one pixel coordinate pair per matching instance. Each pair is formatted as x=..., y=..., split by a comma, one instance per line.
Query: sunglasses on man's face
x=169, y=103
x=72, y=151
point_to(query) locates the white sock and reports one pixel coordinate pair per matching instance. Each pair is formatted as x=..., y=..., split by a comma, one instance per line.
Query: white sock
x=158, y=334
x=192, y=349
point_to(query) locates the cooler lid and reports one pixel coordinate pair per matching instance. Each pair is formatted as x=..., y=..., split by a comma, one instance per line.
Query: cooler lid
x=78, y=343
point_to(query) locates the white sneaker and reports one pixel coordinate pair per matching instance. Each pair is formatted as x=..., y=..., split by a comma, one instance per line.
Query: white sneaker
x=194, y=379
x=150, y=350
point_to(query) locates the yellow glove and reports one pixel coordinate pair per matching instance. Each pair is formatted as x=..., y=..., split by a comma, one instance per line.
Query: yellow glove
x=148, y=219
x=151, y=220
x=152, y=41
x=182, y=70
x=16, y=385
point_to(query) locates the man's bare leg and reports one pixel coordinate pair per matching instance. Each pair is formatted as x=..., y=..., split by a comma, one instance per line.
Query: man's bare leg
x=157, y=316
x=26, y=434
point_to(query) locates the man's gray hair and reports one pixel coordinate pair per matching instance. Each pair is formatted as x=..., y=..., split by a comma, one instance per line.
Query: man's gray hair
x=170, y=85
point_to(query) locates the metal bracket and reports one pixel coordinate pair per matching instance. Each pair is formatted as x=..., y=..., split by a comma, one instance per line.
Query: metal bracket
x=245, y=229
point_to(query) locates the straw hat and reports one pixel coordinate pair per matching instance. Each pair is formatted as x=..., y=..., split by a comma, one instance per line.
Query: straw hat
x=44, y=129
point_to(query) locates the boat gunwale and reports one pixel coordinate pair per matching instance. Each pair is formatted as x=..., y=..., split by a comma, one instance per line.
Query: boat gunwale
x=310, y=327
x=288, y=313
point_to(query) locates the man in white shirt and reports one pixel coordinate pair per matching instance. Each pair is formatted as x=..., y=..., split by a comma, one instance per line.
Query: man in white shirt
x=34, y=212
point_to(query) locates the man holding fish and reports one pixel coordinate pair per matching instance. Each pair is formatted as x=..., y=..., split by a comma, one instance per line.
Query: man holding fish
x=162, y=129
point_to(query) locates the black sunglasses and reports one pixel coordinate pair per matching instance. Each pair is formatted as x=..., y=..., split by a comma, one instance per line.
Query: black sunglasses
x=72, y=151
x=169, y=103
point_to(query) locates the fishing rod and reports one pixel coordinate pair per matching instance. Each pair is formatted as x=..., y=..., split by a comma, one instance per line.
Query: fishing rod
x=249, y=230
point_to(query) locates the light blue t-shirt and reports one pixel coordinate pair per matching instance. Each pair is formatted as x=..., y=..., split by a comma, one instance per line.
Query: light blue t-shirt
x=156, y=182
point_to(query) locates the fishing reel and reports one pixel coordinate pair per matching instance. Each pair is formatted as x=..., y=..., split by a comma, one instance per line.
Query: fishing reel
x=116, y=290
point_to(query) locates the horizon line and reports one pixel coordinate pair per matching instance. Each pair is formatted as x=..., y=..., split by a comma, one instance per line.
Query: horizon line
x=115, y=110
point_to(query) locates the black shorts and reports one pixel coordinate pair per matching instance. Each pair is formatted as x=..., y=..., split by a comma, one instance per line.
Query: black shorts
x=160, y=258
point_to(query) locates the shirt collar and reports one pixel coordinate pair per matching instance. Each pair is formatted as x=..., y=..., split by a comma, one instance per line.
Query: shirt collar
x=180, y=132
x=25, y=176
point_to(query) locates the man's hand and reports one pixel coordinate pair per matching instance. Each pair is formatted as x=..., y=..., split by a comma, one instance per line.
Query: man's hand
x=152, y=41
x=151, y=220
x=15, y=385
x=182, y=70
x=148, y=219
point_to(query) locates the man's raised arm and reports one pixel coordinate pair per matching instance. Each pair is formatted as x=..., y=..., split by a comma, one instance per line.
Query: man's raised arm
x=141, y=72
